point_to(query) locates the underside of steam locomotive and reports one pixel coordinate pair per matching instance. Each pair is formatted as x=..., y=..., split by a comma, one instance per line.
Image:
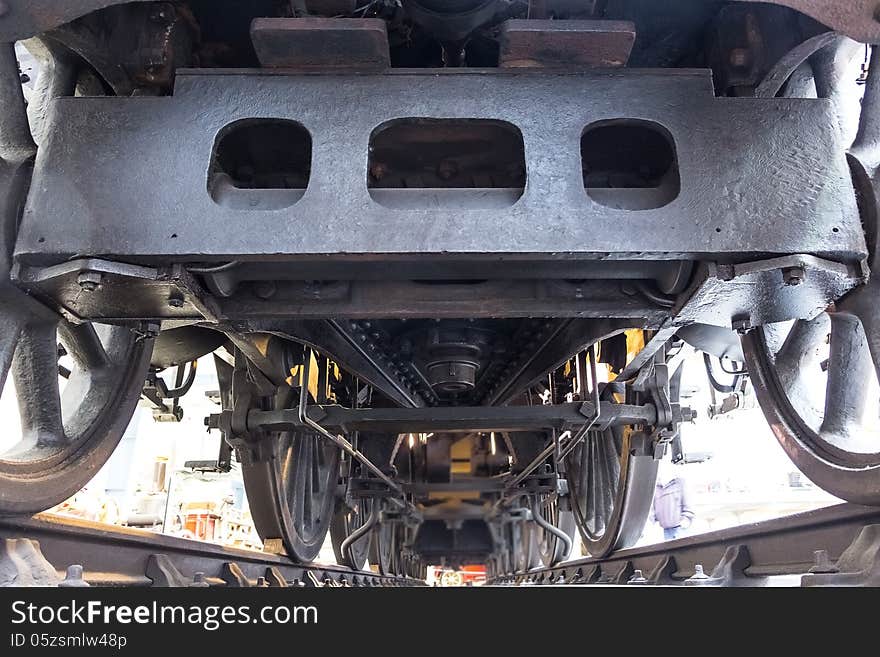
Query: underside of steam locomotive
x=447, y=253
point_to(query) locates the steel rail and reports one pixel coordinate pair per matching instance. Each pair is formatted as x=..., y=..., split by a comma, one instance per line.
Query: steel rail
x=833, y=546
x=122, y=556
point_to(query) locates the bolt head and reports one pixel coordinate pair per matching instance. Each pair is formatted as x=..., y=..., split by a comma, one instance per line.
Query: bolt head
x=176, y=302
x=792, y=276
x=741, y=325
x=89, y=280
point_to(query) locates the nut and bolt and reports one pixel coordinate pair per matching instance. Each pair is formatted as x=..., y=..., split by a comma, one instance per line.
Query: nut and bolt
x=699, y=574
x=199, y=581
x=74, y=577
x=89, y=281
x=637, y=578
x=176, y=300
x=822, y=563
x=741, y=324
x=792, y=276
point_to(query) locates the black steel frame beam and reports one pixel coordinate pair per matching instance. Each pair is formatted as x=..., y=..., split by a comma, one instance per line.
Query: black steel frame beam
x=740, y=161
x=454, y=418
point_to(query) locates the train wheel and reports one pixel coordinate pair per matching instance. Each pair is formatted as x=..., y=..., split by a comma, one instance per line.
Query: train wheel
x=67, y=431
x=292, y=491
x=812, y=380
x=346, y=520
x=382, y=548
x=611, y=486
x=551, y=548
x=528, y=555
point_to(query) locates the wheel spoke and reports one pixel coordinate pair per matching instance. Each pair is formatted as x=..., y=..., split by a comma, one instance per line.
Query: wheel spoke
x=849, y=367
x=84, y=345
x=10, y=330
x=35, y=370
x=862, y=303
x=800, y=349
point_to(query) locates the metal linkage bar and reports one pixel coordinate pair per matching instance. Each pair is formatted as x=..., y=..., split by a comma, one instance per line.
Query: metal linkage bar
x=120, y=556
x=451, y=418
x=303, y=420
x=834, y=546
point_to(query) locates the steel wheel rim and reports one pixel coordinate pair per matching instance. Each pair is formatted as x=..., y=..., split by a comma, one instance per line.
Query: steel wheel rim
x=831, y=432
x=610, y=509
x=382, y=548
x=595, y=466
x=346, y=521
x=820, y=455
x=308, y=467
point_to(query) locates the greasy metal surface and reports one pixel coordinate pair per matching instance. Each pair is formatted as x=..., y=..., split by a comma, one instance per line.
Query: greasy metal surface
x=24, y=18
x=782, y=546
x=764, y=176
x=119, y=556
x=570, y=43
x=321, y=42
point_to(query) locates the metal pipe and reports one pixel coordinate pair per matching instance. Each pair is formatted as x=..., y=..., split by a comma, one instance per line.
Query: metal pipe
x=341, y=442
x=16, y=142
x=561, y=535
x=361, y=531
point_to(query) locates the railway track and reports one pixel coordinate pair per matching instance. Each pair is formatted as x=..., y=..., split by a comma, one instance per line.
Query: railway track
x=834, y=546
x=39, y=550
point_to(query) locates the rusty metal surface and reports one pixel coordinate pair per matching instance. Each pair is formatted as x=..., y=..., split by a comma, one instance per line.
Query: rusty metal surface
x=574, y=43
x=776, y=163
x=322, y=43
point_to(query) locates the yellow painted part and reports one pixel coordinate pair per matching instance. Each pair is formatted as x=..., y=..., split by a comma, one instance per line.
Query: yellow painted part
x=459, y=453
x=296, y=376
x=261, y=342
x=635, y=342
x=454, y=499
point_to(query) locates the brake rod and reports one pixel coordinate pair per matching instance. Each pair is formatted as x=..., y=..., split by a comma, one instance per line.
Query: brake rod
x=453, y=419
x=342, y=443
